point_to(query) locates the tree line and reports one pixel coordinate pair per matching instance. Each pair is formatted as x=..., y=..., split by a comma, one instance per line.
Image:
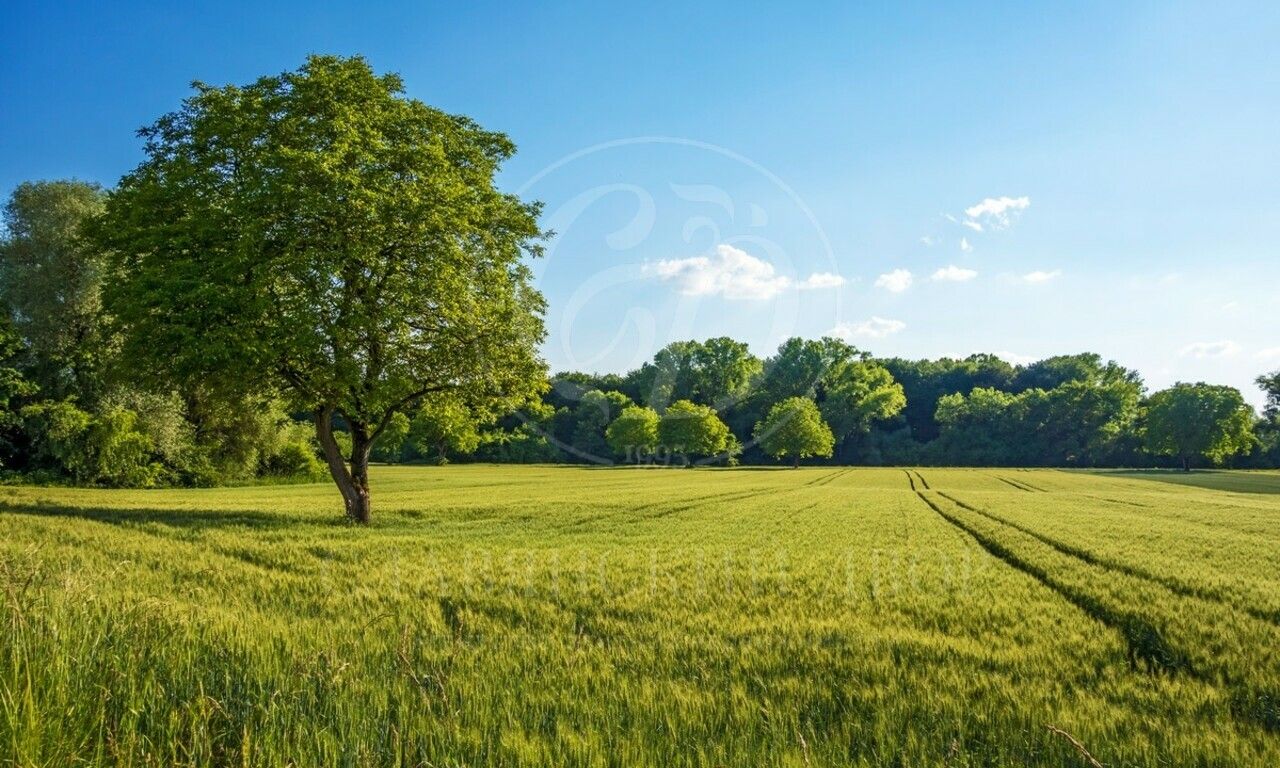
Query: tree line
x=313, y=271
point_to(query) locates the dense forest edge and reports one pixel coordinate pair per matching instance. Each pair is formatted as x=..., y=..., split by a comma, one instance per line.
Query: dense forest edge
x=203, y=324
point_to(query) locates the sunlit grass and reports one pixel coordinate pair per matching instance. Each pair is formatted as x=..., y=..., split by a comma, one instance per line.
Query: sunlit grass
x=549, y=615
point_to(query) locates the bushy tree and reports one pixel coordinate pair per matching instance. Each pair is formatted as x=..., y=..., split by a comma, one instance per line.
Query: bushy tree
x=442, y=426
x=595, y=411
x=634, y=434
x=690, y=429
x=857, y=393
x=794, y=429
x=50, y=279
x=319, y=234
x=1190, y=421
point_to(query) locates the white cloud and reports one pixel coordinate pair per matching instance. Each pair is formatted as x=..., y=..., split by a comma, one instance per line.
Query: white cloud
x=875, y=328
x=896, y=281
x=995, y=212
x=1203, y=349
x=820, y=280
x=953, y=274
x=1268, y=354
x=734, y=274
x=929, y=242
x=964, y=245
x=1041, y=276
x=1015, y=358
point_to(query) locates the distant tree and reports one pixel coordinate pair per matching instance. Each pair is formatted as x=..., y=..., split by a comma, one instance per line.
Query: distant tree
x=1198, y=420
x=50, y=279
x=444, y=425
x=595, y=411
x=857, y=393
x=924, y=382
x=634, y=433
x=1086, y=367
x=1270, y=385
x=319, y=234
x=794, y=429
x=693, y=430
x=390, y=444
x=724, y=371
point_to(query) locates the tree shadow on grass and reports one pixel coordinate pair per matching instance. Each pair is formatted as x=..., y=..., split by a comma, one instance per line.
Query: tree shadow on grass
x=1233, y=481
x=193, y=519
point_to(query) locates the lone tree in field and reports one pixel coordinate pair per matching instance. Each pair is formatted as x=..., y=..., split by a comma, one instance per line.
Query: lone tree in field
x=319, y=234
x=1192, y=420
x=634, y=433
x=794, y=429
x=693, y=430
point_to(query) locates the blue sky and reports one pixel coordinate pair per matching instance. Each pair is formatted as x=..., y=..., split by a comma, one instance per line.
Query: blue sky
x=762, y=173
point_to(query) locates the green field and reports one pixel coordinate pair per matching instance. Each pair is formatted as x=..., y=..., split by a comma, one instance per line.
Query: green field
x=554, y=615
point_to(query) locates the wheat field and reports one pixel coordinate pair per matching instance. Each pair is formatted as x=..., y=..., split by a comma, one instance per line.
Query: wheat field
x=529, y=616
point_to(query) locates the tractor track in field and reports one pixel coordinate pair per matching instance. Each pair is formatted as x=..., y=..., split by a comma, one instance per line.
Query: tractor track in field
x=1084, y=555
x=1144, y=641
x=914, y=476
x=825, y=479
x=1019, y=485
x=682, y=505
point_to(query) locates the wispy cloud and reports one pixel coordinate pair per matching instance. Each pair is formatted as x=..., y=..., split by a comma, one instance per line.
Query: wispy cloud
x=896, y=281
x=734, y=274
x=1267, y=355
x=1204, y=349
x=875, y=328
x=1042, y=276
x=928, y=242
x=820, y=280
x=964, y=245
x=953, y=274
x=995, y=212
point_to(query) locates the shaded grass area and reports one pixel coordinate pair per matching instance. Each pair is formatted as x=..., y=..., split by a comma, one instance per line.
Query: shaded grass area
x=1253, y=481
x=561, y=616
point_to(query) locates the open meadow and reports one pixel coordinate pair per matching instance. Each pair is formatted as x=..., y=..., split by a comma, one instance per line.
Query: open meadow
x=504, y=615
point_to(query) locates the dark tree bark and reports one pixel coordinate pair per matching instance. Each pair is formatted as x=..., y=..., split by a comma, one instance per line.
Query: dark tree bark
x=353, y=480
x=795, y=462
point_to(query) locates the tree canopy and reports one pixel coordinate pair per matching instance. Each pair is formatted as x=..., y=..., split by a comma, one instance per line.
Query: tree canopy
x=690, y=429
x=1198, y=420
x=794, y=429
x=319, y=234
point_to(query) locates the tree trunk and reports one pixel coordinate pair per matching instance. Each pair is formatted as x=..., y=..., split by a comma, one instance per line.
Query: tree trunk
x=353, y=481
x=1186, y=463
x=795, y=462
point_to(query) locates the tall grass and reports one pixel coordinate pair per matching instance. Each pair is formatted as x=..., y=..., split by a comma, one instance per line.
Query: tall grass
x=544, y=616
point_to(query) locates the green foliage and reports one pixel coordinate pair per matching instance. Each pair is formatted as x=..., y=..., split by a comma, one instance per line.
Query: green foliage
x=319, y=234
x=717, y=372
x=595, y=411
x=50, y=279
x=634, y=434
x=794, y=429
x=690, y=429
x=857, y=393
x=106, y=449
x=1198, y=420
x=442, y=426
x=389, y=446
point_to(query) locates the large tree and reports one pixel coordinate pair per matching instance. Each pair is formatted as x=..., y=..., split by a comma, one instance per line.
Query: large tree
x=1194, y=420
x=50, y=279
x=320, y=234
x=794, y=429
x=690, y=429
